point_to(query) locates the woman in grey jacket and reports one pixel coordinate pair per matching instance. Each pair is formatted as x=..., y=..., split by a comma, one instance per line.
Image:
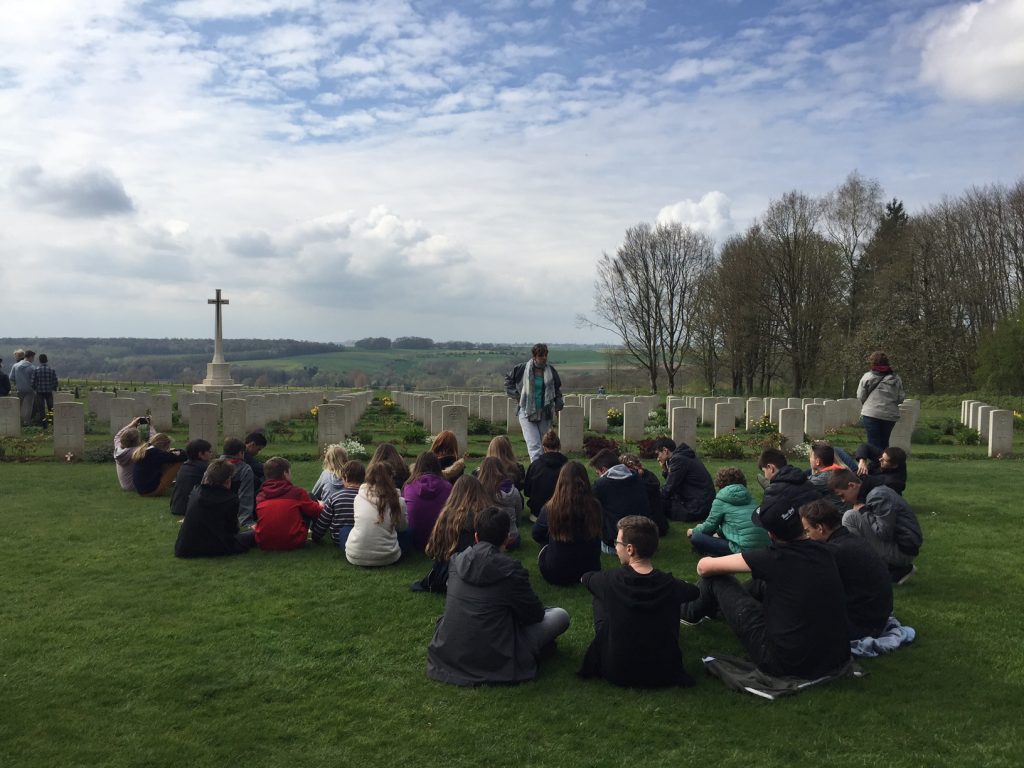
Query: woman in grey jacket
x=880, y=392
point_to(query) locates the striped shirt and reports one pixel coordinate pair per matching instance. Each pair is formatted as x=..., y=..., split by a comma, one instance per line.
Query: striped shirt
x=338, y=512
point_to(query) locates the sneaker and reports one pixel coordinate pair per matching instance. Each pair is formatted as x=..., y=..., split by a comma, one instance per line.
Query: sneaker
x=902, y=575
x=533, y=518
x=691, y=621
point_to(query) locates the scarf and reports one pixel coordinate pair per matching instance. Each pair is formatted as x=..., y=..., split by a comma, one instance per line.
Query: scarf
x=881, y=369
x=526, y=399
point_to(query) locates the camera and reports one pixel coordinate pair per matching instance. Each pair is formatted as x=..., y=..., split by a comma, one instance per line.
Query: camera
x=143, y=420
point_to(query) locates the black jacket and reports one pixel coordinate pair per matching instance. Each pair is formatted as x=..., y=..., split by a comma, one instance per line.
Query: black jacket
x=895, y=479
x=541, y=476
x=636, y=640
x=688, y=488
x=210, y=526
x=789, y=488
x=189, y=476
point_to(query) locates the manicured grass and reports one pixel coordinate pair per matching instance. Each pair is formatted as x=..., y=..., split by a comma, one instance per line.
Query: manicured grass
x=115, y=653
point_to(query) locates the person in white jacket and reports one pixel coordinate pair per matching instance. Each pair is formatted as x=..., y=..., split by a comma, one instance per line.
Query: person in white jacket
x=379, y=536
x=880, y=392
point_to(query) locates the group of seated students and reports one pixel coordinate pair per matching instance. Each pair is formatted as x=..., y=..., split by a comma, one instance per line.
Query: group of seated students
x=823, y=548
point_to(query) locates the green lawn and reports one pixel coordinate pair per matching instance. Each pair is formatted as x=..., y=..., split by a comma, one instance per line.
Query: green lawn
x=116, y=654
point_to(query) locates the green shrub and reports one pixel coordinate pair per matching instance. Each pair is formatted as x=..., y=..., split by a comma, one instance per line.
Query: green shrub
x=967, y=436
x=412, y=436
x=722, y=447
x=478, y=426
x=765, y=426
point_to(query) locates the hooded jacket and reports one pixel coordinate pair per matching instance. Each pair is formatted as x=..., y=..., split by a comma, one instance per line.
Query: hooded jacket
x=788, y=489
x=210, y=526
x=637, y=644
x=621, y=493
x=424, y=498
x=281, y=512
x=373, y=542
x=541, y=476
x=883, y=402
x=480, y=637
x=892, y=519
x=688, y=487
x=730, y=517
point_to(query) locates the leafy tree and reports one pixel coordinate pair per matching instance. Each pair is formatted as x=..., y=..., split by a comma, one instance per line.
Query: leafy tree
x=374, y=343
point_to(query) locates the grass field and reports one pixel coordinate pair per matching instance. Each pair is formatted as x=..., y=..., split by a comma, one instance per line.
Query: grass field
x=117, y=654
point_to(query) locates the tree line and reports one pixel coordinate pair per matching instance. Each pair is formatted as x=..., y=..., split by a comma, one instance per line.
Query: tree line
x=796, y=301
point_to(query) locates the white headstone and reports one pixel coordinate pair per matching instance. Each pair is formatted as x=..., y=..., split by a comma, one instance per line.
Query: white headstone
x=160, y=411
x=570, y=428
x=10, y=417
x=202, y=424
x=254, y=412
x=330, y=424
x=63, y=397
x=122, y=410
x=755, y=411
x=833, y=414
x=776, y=404
x=598, y=414
x=1000, y=433
x=983, y=422
x=634, y=419
x=725, y=419
x=512, y=417
x=814, y=420
x=791, y=425
x=707, y=414
x=68, y=430
x=235, y=418
x=99, y=405
x=684, y=426
x=455, y=418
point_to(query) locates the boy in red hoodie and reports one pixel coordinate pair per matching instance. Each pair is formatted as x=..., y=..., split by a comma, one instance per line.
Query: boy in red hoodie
x=283, y=510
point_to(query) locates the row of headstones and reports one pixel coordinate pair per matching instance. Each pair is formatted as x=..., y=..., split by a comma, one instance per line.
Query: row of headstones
x=995, y=425
x=208, y=418
x=336, y=419
x=447, y=412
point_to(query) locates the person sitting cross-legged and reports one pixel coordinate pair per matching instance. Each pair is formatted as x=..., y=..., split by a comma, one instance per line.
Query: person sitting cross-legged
x=865, y=578
x=822, y=461
x=791, y=616
x=884, y=519
x=620, y=492
x=542, y=474
x=283, y=510
x=729, y=528
x=569, y=527
x=688, y=490
x=210, y=527
x=636, y=614
x=339, y=517
x=199, y=453
x=494, y=628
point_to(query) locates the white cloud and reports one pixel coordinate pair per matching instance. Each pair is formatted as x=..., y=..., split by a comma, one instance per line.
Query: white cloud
x=975, y=51
x=711, y=214
x=87, y=193
x=691, y=69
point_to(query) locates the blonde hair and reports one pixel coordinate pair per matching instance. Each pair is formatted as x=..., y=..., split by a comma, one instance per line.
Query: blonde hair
x=159, y=440
x=335, y=458
x=501, y=449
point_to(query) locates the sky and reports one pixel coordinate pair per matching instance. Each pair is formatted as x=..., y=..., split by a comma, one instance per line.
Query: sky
x=451, y=170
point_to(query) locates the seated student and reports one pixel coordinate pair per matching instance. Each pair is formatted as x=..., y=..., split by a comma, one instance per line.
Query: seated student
x=210, y=527
x=884, y=520
x=387, y=454
x=199, y=453
x=688, y=490
x=822, y=460
x=785, y=485
x=254, y=443
x=501, y=449
x=636, y=614
x=791, y=617
x=446, y=448
x=888, y=467
x=330, y=480
x=283, y=510
x=155, y=465
x=542, y=474
x=453, y=531
x=425, y=493
x=494, y=626
x=651, y=487
x=730, y=519
x=569, y=527
x=243, y=483
x=620, y=492
x=502, y=492
x=865, y=578
x=338, y=516
x=126, y=441
x=379, y=519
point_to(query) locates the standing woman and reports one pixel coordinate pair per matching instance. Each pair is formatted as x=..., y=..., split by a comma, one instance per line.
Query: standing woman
x=880, y=392
x=570, y=527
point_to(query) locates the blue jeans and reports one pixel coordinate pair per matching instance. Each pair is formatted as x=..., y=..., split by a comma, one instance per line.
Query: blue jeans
x=343, y=533
x=878, y=431
x=533, y=432
x=710, y=545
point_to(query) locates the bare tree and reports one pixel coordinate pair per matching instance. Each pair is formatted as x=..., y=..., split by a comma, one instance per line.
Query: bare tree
x=802, y=271
x=851, y=213
x=683, y=257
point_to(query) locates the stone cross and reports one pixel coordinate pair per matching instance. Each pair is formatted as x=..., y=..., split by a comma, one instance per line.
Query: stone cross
x=218, y=339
